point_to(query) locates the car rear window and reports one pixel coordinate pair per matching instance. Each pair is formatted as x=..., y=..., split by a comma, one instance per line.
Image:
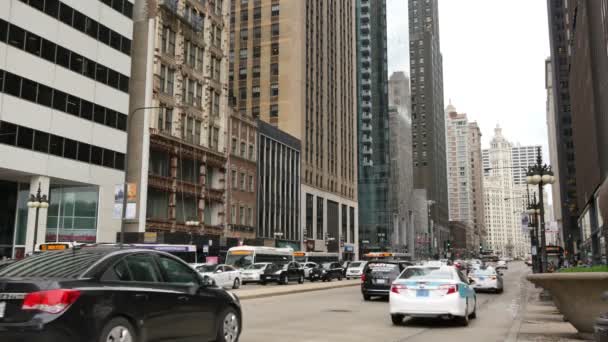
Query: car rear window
x=485, y=272
x=413, y=273
x=382, y=268
x=68, y=264
x=354, y=264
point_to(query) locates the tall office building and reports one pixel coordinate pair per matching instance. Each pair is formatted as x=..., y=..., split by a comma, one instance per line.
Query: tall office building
x=64, y=97
x=504, y=201
x=477, y=173
x=521, y=157
x=586, y=29
x=292, y=64
x=402, y=178
x=428, y=118
x=177, y=135
x=464, y=174
x=560, y=34
x=375, y=213
x=553, y=154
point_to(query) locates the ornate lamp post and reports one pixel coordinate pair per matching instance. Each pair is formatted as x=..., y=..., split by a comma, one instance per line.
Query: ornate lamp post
x=533, y=211
x=540, y=174
x=37, y=201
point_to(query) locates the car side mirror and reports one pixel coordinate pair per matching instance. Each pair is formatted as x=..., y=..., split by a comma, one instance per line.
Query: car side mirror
x=471, y=281
x=218, y=271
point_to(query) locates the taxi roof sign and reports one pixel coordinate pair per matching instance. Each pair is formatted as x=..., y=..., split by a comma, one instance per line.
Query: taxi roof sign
x=54, y=246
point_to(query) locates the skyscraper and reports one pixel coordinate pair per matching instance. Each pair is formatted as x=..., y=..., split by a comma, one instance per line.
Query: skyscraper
x=402, y=178
x=375, y=214
x=553, y=154
x=504, y=201
x=464, y=174
x=177, y=135
x=560, y=63
x=521, y=158
x=428, y=118
x=64, y=93
x=292, y=64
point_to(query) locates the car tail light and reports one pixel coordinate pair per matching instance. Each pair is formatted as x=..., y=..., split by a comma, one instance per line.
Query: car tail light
x=449, y=289
x=53, y=301
x=493, y=277
x=397, y=287
x=363, y=278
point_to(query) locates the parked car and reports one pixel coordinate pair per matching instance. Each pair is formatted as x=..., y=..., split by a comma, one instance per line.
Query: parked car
x=223, y=275
x=355, y=269
x=253, y=272
x=283, y=274
x=98, y=293
x=502, y=264
x=378, y=276
x=308, y=266
x=487, y=279
x=424, y=291
x=327, y=271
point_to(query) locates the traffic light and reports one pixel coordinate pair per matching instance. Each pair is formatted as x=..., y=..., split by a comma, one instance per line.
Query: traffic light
x=449, y=244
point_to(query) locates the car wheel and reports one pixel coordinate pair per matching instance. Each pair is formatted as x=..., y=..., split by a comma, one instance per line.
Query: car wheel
x=367, y=297
x=339, y=278
x=464, y=320
x=229, y=327
x=237, y=284
x=473, y=314
x=118, y=330
x=285, y=280
x=301, y=280
x=397, y=319
x=499, y=290
x=263, y=283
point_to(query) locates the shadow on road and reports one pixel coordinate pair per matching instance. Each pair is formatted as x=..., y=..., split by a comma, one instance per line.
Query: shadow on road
x=435, y=323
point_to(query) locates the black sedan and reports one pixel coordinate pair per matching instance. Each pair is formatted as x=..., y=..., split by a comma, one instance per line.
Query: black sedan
x=283, y=274
x=112, y=294
x=327, y=271
x=378, y=275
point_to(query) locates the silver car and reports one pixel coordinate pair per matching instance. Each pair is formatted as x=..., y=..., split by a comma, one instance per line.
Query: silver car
x=355, y=269
x=486, y=279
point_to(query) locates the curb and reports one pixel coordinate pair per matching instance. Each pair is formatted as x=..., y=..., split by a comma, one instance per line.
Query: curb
x=295, y=290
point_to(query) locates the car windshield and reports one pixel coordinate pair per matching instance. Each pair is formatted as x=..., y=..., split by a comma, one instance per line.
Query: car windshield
x=354, y=265
x=256, y=267
x=206, y=268
x=426, y=273
x=484, y=272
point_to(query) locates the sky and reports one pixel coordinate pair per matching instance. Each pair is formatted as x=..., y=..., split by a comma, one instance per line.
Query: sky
x=493, y=62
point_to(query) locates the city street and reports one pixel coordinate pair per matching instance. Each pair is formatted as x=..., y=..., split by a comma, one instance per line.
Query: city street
x=342, y=315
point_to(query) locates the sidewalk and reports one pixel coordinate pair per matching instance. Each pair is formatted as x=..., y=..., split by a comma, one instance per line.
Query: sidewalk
x=542, y=322
x=291, y=289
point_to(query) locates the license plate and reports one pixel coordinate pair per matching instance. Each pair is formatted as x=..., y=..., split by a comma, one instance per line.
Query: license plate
x=380, y=281
x=482, y=278
x=422, y=293
x=2, y=309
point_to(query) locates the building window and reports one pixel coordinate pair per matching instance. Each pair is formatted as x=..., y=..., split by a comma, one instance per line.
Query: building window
x=72, y=213
x=243, y=73
x=275, y=10
x=251, y=152
x=242, y=216
x=233, y=147
x=244, y=35
x=250, y=220
x=165, y=120
x=274, y=69
x=168, y=41
x=242, y=182
x=255, y=92
x=257, y=32
x=167, y=77
x=320, y=205
x=233, y=179
x=275, y=30
x=274, y=89
x=257, y=52
x=309, y=211
x=255, y=111
x=257, y=13
x=233, y=214
x=243, y=150
x=251, y=185
x=274, y=49
x=274, y=111
x=256, y=71
x=243, y=93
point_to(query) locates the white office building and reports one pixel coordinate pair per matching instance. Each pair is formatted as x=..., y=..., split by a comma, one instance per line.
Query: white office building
x=65, y=67
x=522, y=157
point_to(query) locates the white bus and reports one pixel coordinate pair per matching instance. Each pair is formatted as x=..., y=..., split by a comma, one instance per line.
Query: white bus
x=243, y=256
x=318, y=257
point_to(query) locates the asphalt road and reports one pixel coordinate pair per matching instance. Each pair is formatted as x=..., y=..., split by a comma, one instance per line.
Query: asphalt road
x=342, y=315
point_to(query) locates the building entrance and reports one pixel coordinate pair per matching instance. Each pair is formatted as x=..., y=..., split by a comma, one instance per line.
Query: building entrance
x=8, y=209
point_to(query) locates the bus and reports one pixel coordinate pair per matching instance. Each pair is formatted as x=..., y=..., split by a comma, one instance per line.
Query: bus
x=243, y=256
x=184, y=252
x=387, y=256
x=318, y=257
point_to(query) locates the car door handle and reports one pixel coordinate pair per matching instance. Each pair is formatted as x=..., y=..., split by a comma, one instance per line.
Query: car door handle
x=141, y=296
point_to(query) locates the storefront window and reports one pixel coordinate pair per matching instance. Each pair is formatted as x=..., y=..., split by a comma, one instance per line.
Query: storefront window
x=72, y=214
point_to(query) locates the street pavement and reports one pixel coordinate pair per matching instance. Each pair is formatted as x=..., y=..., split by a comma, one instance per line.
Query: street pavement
x=342, y=315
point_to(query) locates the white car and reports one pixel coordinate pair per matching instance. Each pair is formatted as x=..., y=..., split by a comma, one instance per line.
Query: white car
x=486, y=279
x=223, y=275
x=307, y=266
x=355, y=269
x=502, y=264
x=252, y=273
x=426, y=291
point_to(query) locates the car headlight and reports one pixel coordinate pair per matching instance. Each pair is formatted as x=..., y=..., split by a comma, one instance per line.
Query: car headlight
x=278, y=272
x=324, y=271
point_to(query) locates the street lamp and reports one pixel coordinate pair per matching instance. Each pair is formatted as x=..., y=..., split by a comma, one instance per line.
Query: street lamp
x=540, y=174
x=37, y=201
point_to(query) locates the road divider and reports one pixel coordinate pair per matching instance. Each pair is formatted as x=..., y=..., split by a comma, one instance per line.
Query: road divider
x=245, y=294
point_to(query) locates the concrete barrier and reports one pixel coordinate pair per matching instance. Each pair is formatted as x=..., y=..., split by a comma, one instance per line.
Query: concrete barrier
x=577, y=295
x=263, y=292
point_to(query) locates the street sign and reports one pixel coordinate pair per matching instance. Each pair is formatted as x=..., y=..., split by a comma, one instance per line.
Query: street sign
x=533, y=250
x=205, y=249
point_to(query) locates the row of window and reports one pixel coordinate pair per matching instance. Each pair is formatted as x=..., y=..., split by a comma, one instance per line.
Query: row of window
x=25, y=137
x=243, y=150
x=191, y=128
x=52, y=98
x=193, y=90
x=245, y=215
x=123, y=7
x=241, y=181
x=56, y=54
x=82, y=23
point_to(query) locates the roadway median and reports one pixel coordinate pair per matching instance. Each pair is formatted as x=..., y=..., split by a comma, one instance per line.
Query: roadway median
x=263, y=292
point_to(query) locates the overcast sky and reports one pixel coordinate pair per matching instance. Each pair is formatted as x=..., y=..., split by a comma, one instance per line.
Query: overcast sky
x=493, y=62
